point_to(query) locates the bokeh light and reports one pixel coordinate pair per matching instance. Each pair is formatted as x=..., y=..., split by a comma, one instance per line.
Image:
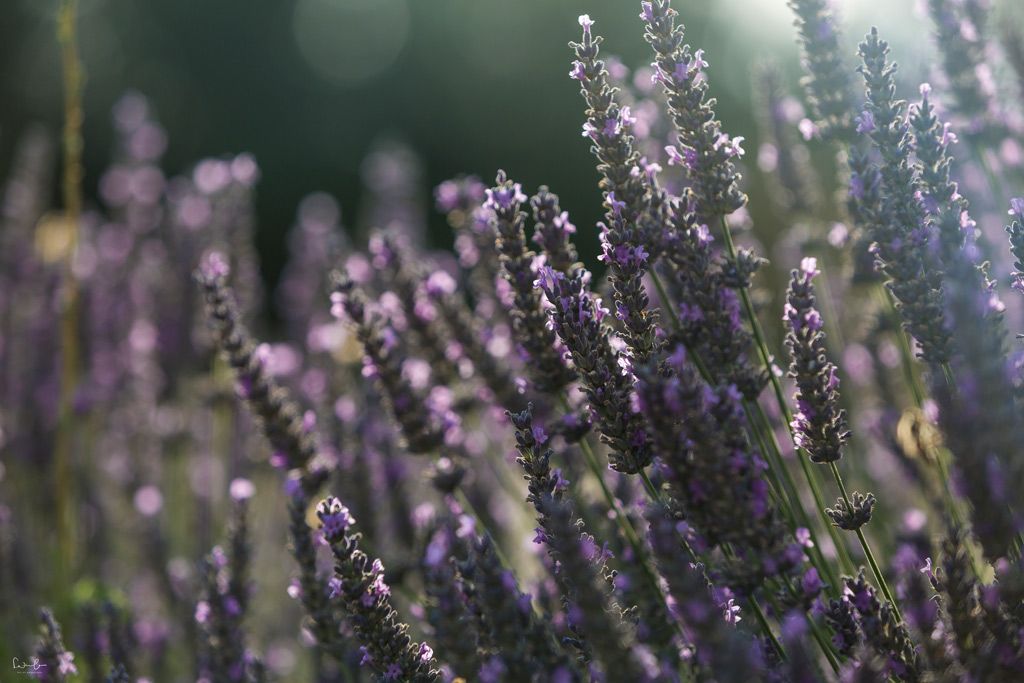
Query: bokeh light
x=349, y=41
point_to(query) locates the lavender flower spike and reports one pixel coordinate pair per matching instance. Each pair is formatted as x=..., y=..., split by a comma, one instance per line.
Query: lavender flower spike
x=964, y=63
x=470, y=333
x=724, y=652
x=405, y=278
x=455, y=632
x=819, y=425
x=707, y=152
x=629, y=235
x=883, y=631
x=1016, y=232
x=709, y=307
x=522, y=643
x=293, y=442
x=583, y=577
x=609, y=127
x=827, y=80
x=946, y=207
x=577, y=320
x=358, y=584
x=529, y=321
x=421, y=429
x=715, y=478
x=901, y=236
x=982, y=428
x=55, y=662
x=553, y=231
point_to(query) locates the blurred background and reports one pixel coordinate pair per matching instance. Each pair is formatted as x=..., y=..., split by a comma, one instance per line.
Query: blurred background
x=336, y=96
x=311, y=87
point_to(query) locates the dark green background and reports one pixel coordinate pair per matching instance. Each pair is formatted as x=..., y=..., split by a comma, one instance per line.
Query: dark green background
x=477, y=85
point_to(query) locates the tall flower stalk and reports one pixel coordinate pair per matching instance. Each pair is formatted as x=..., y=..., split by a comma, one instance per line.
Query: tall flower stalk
x=358, y=585
x=721, y=574
x=827, y=78
x=707, y=155
x=901, y=237
x=627, y=236
x=820, y=426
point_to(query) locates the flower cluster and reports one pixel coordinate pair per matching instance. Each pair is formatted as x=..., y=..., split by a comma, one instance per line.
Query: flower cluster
x=677, y=512
x=289, y=430
x=710, y=319
x=828, y=80
x=901, y=235
x=222, y=607
x=553, y=231
x=704, y=150
x=717, y=480
x=578, y=320
x=820, y=425
x=600, y=628
x=421, y=428
x=358, y=585
x=529, y=321
x=629, y=233
x=958, y=31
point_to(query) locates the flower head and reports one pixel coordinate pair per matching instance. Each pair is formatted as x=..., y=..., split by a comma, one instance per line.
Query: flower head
x=865, y=122
x=334, y=517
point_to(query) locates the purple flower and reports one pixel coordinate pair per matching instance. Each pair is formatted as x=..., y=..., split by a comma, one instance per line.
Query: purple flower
x=730, y=145
x=539, y=435
x=214, y=266
x=617, y=206
x=377, y=588
x=66, y=663
x=1017, y=208
x=504, y=196
x=202, y=613
x=335, y=518
x=809, y=268
x=560, y=482
x=865, y=122
x=820, y=424
x=674, y=157
x=808, y=129
x=242, y=489
x=811, y=583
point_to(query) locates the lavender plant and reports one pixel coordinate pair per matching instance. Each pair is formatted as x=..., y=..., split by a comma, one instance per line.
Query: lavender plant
x=463, y=405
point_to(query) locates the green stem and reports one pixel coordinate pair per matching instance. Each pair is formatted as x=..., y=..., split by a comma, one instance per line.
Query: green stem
x=666, y=302
x=775, y=459
x=625, y=526
x=864, y=543
x=774, y=454
x=766, y=357
x=464, y=501
x=947, y=373
x=906, y=354
x=67, y=38
x=652, y=491
x=766, y=627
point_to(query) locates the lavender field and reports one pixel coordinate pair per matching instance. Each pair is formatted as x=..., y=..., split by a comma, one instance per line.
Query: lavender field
x=761, y=419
